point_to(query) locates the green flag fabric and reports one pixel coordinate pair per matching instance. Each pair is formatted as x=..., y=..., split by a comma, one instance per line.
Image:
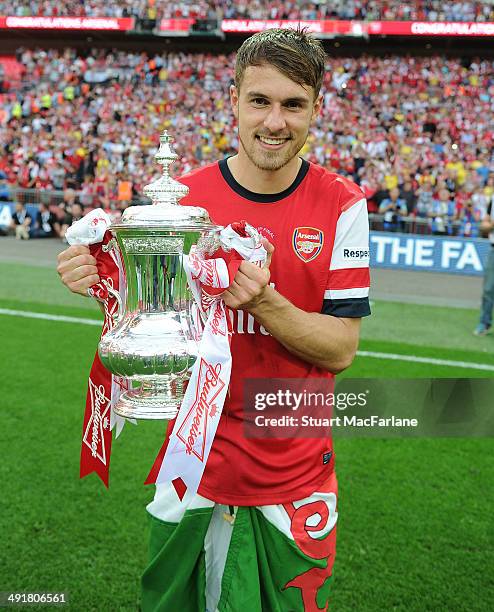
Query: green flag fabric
x=207, y=557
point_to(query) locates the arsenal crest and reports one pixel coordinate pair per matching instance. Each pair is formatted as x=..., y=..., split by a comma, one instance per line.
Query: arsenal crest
x=307, y=242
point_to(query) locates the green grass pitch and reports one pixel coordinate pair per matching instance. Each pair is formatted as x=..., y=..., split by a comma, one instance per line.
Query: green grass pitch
x=415, y=515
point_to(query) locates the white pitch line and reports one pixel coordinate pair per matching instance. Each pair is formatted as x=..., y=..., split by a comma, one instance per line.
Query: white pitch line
x=389, y=356
x=49, y=317
x=429, y=360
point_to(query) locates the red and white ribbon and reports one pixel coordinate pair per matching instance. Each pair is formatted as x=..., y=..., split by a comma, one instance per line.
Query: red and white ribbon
x=104, y=388
x=187, y=449
x=193, y=433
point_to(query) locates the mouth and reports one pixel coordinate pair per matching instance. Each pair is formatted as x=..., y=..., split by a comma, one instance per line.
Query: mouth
x=272, y=142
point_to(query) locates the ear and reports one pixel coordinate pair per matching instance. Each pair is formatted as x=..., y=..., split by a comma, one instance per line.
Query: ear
x=316, y=109
x=234, y=100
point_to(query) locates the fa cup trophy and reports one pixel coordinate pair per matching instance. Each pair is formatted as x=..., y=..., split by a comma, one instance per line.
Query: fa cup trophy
x=154, y=341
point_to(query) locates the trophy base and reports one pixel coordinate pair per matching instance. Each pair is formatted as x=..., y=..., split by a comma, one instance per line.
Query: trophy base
x=152, y=401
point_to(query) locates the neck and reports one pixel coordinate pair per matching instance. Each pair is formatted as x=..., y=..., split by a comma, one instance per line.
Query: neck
x=263, y=181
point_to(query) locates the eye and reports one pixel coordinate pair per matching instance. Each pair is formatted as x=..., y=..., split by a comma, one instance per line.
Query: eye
x=293, y=104
x=259, y=101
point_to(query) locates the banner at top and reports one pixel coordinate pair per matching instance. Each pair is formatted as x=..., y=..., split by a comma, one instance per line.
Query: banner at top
x=363, y=28
x=176, y=25
x=429, y=28
x=247, y=26
x=67, y=23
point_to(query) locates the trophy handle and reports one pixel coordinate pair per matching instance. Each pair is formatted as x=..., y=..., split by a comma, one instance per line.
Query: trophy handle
x=116, y=316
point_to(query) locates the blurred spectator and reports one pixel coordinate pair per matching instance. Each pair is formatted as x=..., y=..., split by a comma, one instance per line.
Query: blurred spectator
x=425, y=198
x=5, y=195
x=74, y=212
x=469, y=218
x=381, y=194
x=407, y=193
x=489, y=187
x=393, y=209
x=21, y=222
x=124, y=191
x=87, y=195
x=480, y=199
x=441, y=213
x=46, y=224
x=462, y=196
x=485, y=324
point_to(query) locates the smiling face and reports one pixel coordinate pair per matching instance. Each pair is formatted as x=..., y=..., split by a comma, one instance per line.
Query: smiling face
x=273, y=114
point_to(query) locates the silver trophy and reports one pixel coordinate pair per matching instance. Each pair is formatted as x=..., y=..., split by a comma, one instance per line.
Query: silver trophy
x=154, y=340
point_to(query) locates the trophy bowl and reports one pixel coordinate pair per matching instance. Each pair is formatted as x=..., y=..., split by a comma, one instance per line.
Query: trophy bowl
x=154, y=342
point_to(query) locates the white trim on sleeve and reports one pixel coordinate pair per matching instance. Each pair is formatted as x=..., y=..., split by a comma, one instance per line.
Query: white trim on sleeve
x=343, y=294
x=351, y=243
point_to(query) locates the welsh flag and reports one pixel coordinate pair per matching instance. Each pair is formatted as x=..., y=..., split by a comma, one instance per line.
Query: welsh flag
x=216, y=558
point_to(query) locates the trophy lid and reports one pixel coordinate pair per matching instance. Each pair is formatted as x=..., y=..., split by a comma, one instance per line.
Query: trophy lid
x=165, y=193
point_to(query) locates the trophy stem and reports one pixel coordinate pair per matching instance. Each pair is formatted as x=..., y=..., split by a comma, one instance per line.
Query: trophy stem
x=152, y=400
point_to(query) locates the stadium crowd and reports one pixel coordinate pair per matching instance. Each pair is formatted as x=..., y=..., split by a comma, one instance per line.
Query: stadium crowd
x=417, y=134
x=417, y=10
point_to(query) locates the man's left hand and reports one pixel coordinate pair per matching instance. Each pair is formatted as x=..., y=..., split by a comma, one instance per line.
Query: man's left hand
x=249, y=285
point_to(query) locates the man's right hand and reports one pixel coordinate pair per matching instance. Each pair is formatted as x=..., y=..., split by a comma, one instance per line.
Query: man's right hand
x=77, y=269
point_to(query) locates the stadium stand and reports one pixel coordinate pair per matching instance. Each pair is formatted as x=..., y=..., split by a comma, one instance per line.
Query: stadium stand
x=92, y=123
x=87, y=123
x=420, y=10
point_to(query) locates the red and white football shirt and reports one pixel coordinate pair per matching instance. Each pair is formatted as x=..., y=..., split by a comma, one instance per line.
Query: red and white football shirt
x=320, y=232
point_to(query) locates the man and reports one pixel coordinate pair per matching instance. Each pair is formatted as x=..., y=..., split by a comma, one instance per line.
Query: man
x=260, y=533
x=73, y=212
x=46, y=225
x=21, y=222
x=441, y=213
x=485, y=323
x=407, y=193
x=393, y=209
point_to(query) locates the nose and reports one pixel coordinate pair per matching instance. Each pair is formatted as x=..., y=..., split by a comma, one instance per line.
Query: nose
x=275, y=120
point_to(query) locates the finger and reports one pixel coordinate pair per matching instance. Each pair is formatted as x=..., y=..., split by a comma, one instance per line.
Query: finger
x=80, y=273
x=72, y=251
x=246, y=286
x=242, y=273
x=243, y=293
x=253, y=272
x=75, y=262
x=267, y=245
x=241, y=282
x=231, y=300
x=83, y=285
x=234, y=288
x=235, y=296
x=269, y=250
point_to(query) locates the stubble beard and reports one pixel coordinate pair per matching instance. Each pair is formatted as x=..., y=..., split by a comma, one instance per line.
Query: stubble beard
x=272, y=160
